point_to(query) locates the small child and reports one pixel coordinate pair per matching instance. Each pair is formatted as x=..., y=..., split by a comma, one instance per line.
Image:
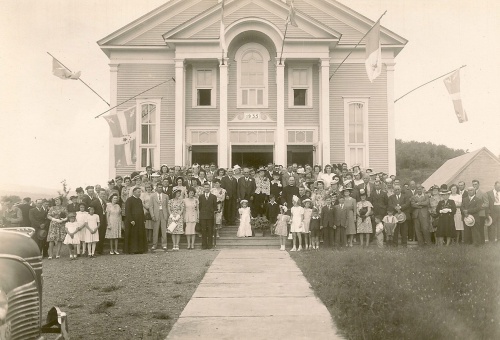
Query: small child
x=218, y=218
x=314, y=228
x=307, y=220
x=91, y=234
x=72, y=235
x=81, y=218
x=296, y=223
x=272, y=210
x=245, y=229
x=379, y=231
x=390, y=222
x=281, y=226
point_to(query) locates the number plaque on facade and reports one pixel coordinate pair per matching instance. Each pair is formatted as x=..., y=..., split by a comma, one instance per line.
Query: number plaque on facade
x=252, y=117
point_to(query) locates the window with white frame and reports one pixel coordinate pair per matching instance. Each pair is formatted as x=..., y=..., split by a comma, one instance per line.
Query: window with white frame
x=204, y=87
x=252, y=60
x=356, y=131
x=149, y=144
x=300, y=86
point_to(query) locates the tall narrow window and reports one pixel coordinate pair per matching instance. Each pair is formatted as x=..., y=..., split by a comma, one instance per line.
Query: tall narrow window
x=204, y=83
x=252, y=61
x=148, y=144
x=300, y=86
x=356, y=130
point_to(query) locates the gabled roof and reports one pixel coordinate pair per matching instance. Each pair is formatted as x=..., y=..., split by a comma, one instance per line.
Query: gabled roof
x=324, y=18
x=454, y=166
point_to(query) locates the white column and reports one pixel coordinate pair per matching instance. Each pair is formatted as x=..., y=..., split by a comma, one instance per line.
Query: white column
x=179, y=113
x=223, y=131
x=113, y=98
x=391, y=129
x=325, y=110
x=280, y=151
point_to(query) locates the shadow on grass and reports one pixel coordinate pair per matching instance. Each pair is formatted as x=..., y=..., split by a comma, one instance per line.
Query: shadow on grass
x=110, y=288
x=161, y=316
x=431, y=293
x=103, y=307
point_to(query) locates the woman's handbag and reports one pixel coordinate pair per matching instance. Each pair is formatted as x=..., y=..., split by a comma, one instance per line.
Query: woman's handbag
x=147, y=216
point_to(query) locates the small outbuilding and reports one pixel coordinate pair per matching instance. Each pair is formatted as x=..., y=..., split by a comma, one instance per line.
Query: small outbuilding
x=481, y=164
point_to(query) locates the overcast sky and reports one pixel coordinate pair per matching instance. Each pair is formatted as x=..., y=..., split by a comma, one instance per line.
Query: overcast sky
x=48, y=128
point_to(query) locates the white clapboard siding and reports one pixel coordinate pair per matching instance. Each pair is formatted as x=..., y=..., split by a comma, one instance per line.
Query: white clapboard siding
x=351, y=81
x=303, y=116
x=201, y=116
x=232, y=85
x=136, y=78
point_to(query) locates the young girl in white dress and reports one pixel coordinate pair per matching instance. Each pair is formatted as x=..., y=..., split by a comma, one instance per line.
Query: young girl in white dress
x=245, y=229
x=297, y=223
x=281, y=226
x=72, y=235
x=307, y=220
x=92, y=234
x=81, y=218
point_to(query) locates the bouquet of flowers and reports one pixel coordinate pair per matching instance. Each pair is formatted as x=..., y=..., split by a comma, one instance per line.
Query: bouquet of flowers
x=259, y=223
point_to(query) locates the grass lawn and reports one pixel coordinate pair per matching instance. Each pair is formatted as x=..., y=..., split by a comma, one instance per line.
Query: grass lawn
x=432, y=293
x=123, y=296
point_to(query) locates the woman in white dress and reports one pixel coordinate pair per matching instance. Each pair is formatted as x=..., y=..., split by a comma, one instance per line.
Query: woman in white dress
x=245, y=229
x=327, y=176
x=459, y=224
x=191, y=216
x=297, y=223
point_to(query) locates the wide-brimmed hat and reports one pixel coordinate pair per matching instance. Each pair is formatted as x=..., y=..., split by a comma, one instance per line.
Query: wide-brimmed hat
x=243, y=201
x=236, y=167
x=488, y=221
x=469, y=220
x=306, y=200
x=301, y=171
x=174, y=190
x=401, y=217
x=346, y=189
x=261, y=169
x=362, y=192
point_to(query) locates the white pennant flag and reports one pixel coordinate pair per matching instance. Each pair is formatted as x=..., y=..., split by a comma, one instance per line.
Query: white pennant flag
x=452, y=83
x=62, y=72
x=373, y=62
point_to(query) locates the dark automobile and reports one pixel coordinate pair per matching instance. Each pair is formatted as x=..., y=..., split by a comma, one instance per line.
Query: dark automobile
x=21, y=283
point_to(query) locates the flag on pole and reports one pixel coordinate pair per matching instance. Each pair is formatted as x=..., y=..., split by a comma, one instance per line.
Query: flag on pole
x=373, y=62
x=62, y=72
x=123, y=129
x=452, y=83
x=222, y=29
x=290, y=19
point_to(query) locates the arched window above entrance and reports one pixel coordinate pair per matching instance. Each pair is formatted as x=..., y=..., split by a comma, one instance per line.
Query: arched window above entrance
x=252, y=74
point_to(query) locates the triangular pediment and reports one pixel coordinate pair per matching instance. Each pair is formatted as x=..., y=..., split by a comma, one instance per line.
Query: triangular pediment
x=207, y=24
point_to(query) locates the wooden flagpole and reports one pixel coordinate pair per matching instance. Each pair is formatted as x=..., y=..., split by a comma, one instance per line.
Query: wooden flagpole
x=123, y=102
x=359, y=42
x=430, y=81
x=79, y=79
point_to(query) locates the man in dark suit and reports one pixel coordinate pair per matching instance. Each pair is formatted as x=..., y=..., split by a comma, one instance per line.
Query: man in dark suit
x=246, y=186
x=99, y=205
x=420, y=215
x=482, y=213
x=472, y=205
x=410, y=192
x=208, y=207
x=399, y=202
x=87, y=198
x=230, y=184
x=39, y=221
x=379, y=200
x=288, y=192
x=340, y=223
x=494, y=212
x=327, y=223
x=25, y=211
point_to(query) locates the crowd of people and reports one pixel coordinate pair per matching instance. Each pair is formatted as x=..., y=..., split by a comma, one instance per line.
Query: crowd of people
x=334, y=205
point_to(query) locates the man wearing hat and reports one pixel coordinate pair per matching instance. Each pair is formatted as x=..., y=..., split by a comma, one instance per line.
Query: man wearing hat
x=73, y=205
x=471, y=206
x=494, y=212
x=246, y=186
x=230, y=184
x=400, y=203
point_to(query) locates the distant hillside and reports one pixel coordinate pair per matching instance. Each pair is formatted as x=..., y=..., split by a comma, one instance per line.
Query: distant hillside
x=418, y=160
x=27, y=191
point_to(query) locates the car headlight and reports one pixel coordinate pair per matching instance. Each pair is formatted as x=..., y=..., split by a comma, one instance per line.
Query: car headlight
x=3, y=306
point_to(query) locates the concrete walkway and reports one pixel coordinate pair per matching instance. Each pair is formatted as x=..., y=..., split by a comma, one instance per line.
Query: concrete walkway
x=254, y=294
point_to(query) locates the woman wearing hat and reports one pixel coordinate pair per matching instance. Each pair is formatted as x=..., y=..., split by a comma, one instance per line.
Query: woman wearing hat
x=179, y=184
x=125, y=194
x=176, y=208
x=459, y=224
x=146, y=203
x=262, y=192
x=446, y=209
x=433, y=202
x=350, y=206
x=364, y=209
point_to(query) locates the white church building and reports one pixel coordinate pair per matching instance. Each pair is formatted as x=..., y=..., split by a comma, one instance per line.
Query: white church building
x=247, y=105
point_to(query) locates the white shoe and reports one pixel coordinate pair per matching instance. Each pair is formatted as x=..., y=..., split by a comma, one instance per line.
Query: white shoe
x=293, y=249
x=300, y=248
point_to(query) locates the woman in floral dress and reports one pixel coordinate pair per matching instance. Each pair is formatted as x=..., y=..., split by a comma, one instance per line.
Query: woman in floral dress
x=350, y=206
x=364, y=208
x=58, y=217
x=125, y=193
x=176, y=207
x=114, y=219
x=220, y=193
x=319, y=195
x=146, y=203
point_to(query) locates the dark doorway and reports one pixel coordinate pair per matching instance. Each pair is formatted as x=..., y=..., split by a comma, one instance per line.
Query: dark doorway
x=204, y=154
x=252, y=156
x=300, y=154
